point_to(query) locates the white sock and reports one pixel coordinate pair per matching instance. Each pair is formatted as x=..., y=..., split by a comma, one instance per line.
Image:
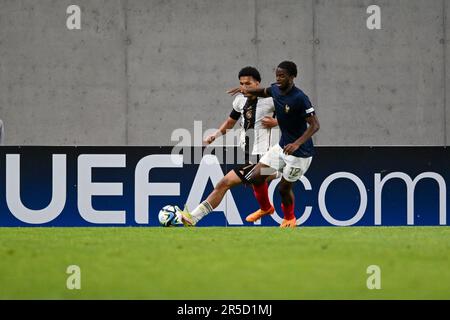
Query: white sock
x=202, y=210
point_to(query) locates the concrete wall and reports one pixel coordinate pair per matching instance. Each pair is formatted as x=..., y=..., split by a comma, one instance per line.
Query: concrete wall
x=62, y=87
x=138, y=69
x=381, y=87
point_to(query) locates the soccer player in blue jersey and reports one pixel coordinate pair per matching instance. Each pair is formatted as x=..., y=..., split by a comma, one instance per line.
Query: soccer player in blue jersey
x=293, y=154
x=298, y=123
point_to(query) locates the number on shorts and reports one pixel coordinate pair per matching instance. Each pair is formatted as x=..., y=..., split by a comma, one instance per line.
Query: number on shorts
x=294, y=171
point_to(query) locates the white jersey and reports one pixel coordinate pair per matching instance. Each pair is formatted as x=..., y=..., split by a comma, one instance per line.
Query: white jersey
x=251, y=119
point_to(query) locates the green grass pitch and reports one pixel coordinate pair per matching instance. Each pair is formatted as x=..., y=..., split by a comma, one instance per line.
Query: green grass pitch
x=225, y=263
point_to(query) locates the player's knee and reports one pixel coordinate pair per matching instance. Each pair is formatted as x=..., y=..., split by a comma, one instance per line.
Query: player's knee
x=223, y=184
x=256, y=177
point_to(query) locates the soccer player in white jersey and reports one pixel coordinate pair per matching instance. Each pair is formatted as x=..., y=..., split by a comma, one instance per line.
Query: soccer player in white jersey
x=257, y=119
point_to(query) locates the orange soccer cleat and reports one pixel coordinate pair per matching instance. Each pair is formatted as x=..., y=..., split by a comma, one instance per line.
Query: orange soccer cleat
x=258, y=214
x=289, y=223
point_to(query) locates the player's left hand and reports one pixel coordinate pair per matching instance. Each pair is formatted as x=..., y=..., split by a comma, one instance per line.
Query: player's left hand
x=269, y=122
x=291, y=148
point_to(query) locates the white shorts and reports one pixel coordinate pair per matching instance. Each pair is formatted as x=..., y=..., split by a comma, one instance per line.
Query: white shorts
x=293, y=168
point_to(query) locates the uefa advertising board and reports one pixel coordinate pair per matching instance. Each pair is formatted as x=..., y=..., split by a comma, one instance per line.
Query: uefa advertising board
x=127, y=186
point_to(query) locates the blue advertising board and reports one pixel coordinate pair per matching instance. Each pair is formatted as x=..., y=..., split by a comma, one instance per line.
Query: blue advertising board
x=127, y=186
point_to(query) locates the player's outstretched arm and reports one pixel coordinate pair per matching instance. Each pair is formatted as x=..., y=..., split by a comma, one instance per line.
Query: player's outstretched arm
x=234, y=91
x=258, y=92
x=227, y=125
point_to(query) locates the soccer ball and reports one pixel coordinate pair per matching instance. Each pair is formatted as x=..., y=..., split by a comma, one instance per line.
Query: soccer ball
x=169, y=216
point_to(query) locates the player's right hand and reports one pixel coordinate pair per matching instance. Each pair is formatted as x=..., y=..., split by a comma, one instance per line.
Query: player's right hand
x=209, y=139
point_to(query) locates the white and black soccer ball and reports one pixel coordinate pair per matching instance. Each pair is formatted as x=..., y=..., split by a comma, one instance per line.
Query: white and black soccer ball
x=169, y=216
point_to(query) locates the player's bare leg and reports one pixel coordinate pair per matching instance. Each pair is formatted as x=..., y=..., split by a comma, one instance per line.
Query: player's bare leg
x=287, y=204
x=212, y=201
x=229, y=181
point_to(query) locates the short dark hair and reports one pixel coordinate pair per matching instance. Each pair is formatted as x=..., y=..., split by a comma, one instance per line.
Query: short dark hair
x=289, y=66
x=250, y=72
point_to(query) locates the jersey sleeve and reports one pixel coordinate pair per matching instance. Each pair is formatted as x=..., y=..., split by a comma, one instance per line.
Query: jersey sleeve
x=235, y=115
x=308, y=109
x=239, y=103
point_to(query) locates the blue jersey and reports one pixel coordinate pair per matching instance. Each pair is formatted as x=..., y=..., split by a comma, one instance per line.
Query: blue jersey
x=291, y=111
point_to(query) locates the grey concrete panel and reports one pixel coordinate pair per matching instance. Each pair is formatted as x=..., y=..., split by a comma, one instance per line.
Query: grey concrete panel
x=182, y=57
x=285, y=32
x=60, y=86
x=380, y=87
